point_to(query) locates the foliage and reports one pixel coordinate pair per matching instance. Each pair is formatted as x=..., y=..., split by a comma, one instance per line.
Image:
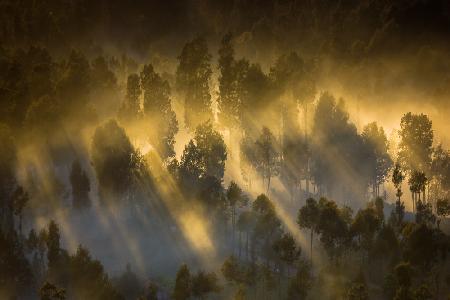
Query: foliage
x=115, y=161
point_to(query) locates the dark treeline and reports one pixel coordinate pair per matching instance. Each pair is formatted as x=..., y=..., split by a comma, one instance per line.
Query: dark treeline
x=295, y=200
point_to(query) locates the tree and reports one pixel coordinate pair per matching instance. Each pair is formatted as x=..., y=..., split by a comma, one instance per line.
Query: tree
x=212, y=149
x=8, y=159
x=204, y=284
x=421, y=246
x=235, y=197
x=403, y=274
x=423, y=293
x=245, y=224
x=397, y=179
x=74, y=86
x=229, y=84
x=365, y=224
x=301, y=283
x=398, y=213
x=88, y=279
x=256, y=96
x=19, y=199
x=308, y=217
x=247, y=159
x=267, y=156
x=415, y=150
x=424, y=214
x=80, y=186
x=338, y=152
x=231, y=270
x=333, y=229
x=440, y=173
x=15, y=273
x=49, y=291
x=386, y=245
x=417, y=182
x=287, y=72
x=115, y=161
x=158, y=110
x=378, y=160
x=203, y=159
x=130, y=108
x=267, y=225
x=286, y=250
x=357, y=291
x=416, y=141
x=442, y=209
x=240, y=294
x=54, y=251
x=151, y=292
x=294, y=163
x=192, y=79
x=183, y=284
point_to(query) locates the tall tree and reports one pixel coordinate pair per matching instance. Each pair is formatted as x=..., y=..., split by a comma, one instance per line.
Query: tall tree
x=442, y=210
x=266, y=227
x=287, y=251
x=19, y=199
x=115, y=161
x=204, y=284
x=131, y=106
x=229, y=84
x=337, y=152
x=80, y=186
x=294, y=163
x=308, y=217
x=203, y=157
x=183, y=284
x=267, y=156
x=158, y=110
x=300, y=285
x=415, y=149
x=378, y=160
x=8, y=160
x=416, y=142
x=74, y=87
x=235, y=197
x=193, y=76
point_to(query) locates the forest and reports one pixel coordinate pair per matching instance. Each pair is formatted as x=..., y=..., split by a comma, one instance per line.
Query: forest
x=241, y=149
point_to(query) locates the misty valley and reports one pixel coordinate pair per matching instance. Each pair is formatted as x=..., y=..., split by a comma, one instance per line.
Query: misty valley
x=237, y=149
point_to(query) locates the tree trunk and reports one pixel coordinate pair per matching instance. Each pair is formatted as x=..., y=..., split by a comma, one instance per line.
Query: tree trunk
x=240, y=244
x=20, y=224
x=312, y=232
x=246, y=248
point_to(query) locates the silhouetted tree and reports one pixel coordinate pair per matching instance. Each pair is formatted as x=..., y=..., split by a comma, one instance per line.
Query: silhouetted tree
x=415, y=150
x=49, y=291
x=308, y=217
x=230, y=84
x=378, y=161
x=204, y=284
x=115, y=161
x=19, y=199
x=442, y=210
x=130, y=108
x=286, y=250
x=193, y=76
x=158, y=110
x=235, y=197
x=80, y=186
x=300, y=285
x=183, y=284
x=267, y=156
